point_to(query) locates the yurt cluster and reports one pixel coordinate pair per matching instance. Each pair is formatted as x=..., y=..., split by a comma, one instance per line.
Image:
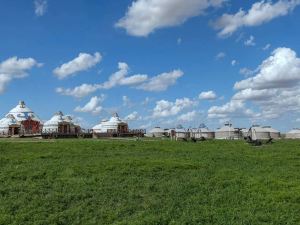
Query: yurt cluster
x=21, y=121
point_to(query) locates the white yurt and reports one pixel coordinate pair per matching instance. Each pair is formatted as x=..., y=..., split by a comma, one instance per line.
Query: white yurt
x=257, y=132
x=202, y=132
x=293, y=134
x=275, y=134
x=61, y=124
x=181, y=133
x=29, y=122
x=9, y=126
x=244, y=132
x=113, y=125
x=227, y=132
x=157, y=132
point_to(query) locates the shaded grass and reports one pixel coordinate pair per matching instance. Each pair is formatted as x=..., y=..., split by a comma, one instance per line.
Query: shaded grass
x=161, y=182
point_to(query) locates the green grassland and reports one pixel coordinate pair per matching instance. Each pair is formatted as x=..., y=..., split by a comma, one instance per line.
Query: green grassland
x=149, y=182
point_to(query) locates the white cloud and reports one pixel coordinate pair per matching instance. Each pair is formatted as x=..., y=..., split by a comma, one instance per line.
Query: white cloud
x=145, y=16
x=162, y=81
x=246, y=72
x=233, y=62
x=92, y=106
x=280, y=70
x=120, y=78
x=220, y=55
x=266, y=47
x=274, y=89
x=188, y=117
x=208, y=95
x=232, y=109
x=250, y=41
x=40, y=7
x=82, y=62
x=133, y=116
x=14, y=68
x=165, y=108
x=298, y=120
x=260, y=13
x=79, y=91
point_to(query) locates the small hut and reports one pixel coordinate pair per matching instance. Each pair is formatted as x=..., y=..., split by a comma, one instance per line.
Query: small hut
x=293, y=134
x=61, y=125
x=275, y=134
x=257, y=132
x=180, y=133
x=157, y=132
x=9, y=126
x=201, y=133
x=227, y=132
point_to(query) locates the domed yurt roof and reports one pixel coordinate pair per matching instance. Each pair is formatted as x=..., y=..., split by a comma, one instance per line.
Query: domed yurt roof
x=226, y=128
x=157, y=130
x=21, y=112
x=55, y=120
x=7, y=121
x=180, y=128
x=294, y=131
x=270, y=129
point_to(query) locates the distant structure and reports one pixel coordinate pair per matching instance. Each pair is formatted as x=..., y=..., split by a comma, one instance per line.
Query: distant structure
x=228, y=132
x=293, y=134
x=20, y=121
x=157, y=132
x=257, y=132
x=115, y=127
x=201, y=133
x=61, y=126
x=274, y=134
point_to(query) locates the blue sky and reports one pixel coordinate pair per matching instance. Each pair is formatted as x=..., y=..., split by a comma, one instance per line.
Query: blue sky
x=159, y=56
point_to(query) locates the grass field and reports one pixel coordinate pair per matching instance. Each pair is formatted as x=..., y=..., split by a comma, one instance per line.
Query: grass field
x=149, y=182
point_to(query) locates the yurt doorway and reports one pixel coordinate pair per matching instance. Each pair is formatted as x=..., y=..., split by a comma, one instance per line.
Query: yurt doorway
x=14, y=130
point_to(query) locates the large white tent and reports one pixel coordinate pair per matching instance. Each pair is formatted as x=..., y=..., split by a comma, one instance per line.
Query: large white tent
x=23, y=116
x=113, y=125
x=157, y=132
x=275, y=134
x=202, y=132
x=293, y=134
x=257, y=132
x=227, y=132
x=61, y=124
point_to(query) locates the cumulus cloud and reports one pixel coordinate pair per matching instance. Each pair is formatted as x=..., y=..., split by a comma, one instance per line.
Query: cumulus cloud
x=260, y=13
x=165, y=108
x=133, y=116
x=40, y=7
x=79, y=91
x=280, y=70
x=188, y=117
x=220, y=55
x=250, y=41
x=82, y=62
x=266, y=47
x=232, y=109
x=145, y=16
x=161, y=82
x=207, y=95
x=233, y=62
x=120, y=78
x=14, y=68
x=93, y=106
x=274, y=89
